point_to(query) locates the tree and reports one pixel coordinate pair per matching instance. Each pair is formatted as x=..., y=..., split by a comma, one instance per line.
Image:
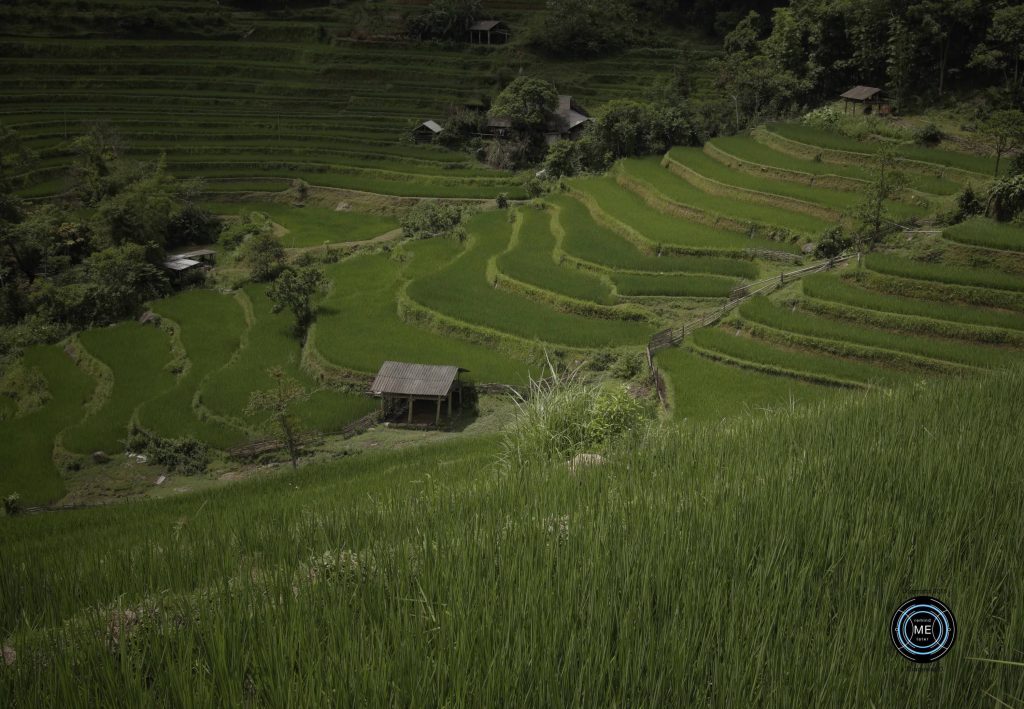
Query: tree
x=140, y=212
x=277, y=402
x=582, y=28
x=1002, y=51
x=264, y=255
x=295, y=290
x=444, y=19
x=1005, y=132
x=527, y=102
x=871, y=212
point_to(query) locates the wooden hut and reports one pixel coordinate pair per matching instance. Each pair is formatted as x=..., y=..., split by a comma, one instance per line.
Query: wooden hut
x=426, y=131
x=489, y=32
x=866, y=96
x=401, y=384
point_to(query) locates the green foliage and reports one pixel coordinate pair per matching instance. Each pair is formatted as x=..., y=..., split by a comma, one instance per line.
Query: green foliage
x=25, y=387
x=928, y=134
x=278, y=402
x=185, y=456
x=692, y=285
x=832, y=243
x=12, y=505
x=263, y=254
x=528, y=102
x=109, y=285
x=295, y=290
x=431, y=218
x=626, y=128
x=443, y=19
x=874, y=213
x=967, y=205
x=1004, y=131
x=1006, y=198
x=236, y=231
x=628, y=365
x=582, y=28
x=564, y=415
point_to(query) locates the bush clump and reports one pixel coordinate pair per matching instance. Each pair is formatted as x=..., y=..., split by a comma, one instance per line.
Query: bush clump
x=563, y=415
x=187, y=456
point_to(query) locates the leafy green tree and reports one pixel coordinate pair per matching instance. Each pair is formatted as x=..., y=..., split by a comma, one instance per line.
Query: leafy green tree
x=431, y=218
x=527, y=102
x=277, y=403
x=1005, y=132
x=872, y=214
x=264, y=255
x=296, y=289
x=1002, y=50
x=563, y=159
x=141, y=212
x=582, y=28
x=444, y=19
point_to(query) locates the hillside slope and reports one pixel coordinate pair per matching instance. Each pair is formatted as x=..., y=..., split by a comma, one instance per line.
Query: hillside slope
x=755, y=564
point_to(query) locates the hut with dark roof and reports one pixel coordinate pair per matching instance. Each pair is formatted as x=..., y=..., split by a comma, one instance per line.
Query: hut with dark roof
x=867, y=96
x=489, y=32
x=401, y=384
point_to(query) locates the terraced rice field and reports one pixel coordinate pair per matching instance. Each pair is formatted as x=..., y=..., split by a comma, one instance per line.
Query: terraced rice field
x=756, y=154
x=138, y=357
x=983, y=166
x=985, y=232
x=755, y=187
x=649, y=174
x=211, y=329
x=313, y=226
x=531, y=259
x=28, y=441
x=306, y=97
x=462, y=292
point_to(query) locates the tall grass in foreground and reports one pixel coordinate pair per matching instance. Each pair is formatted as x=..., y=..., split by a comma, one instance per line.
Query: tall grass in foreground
x=751, y=563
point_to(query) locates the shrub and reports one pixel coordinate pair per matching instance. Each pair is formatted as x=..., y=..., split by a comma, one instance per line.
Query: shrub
x=264, y=256
x=563, y=415
x=832, y=243
x=628, y=365
x=1006, y=198
x=967, y=205
x=429, y=218
x=502, y=200
x=824, y=118
x=12, y=504
x=928, y=134
x=187, y=456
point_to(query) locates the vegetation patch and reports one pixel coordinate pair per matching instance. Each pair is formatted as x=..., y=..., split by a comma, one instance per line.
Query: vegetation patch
x=943, y=273
x=313, y=226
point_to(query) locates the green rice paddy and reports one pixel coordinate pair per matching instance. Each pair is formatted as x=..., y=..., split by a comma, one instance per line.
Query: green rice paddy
x=313, y=226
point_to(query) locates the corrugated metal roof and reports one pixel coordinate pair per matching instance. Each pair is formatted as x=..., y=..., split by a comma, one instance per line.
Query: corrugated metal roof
x=195, y=254
x=180, y=264
x=434, y=126
x=861, y=93
x=407, y=379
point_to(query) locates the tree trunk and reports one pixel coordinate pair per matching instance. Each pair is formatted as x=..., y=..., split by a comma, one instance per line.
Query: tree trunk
x=290, y=441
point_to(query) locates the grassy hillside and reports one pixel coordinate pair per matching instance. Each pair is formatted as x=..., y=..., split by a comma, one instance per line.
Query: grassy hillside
x=696, y=567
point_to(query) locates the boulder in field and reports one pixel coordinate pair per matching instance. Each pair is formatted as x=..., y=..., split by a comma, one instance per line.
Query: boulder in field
x=100, y=457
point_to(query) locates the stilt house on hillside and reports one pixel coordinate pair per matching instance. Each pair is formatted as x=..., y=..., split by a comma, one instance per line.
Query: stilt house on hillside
x=401, y=384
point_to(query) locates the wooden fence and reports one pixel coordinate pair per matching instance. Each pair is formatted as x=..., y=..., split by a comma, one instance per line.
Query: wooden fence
x=672, y=336
x=270, y=444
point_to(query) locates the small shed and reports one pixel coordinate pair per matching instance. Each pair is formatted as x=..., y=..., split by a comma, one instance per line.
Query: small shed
x=401, y=384
x=867, y=96
x=489, y=32
x=426, y=131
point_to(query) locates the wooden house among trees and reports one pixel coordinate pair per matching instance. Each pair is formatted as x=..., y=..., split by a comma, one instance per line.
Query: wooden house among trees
x=401, y=384
x=566, y=122
x=489, y=32
x=426, y=131
x=866, y=96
